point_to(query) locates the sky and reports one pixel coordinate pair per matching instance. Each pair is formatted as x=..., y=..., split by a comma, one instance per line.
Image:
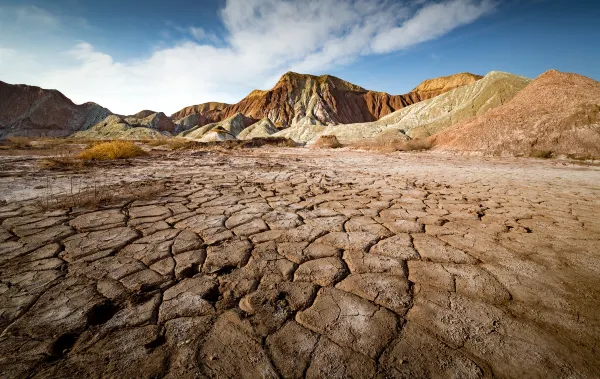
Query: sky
x=129, y=55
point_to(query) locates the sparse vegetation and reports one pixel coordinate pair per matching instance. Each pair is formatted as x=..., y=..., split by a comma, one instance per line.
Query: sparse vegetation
x=60, y=163
x=415, y=144
x=112, y=150
x=543, y=154
x=170, y=143
x=327, y=142
x=391, y=142
x=19, y=142
x=92, y=193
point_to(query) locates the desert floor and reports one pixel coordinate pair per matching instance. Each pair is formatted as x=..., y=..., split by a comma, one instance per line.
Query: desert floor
x=292, y=263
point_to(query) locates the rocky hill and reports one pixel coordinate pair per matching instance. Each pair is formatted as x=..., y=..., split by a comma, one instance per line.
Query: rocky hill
x=33, y=112
x=430, y=116
x=558, y=113
x=299, y=99
x=154, y=125
x=227, y=129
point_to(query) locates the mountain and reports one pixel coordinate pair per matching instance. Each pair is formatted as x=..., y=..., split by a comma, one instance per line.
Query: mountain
x=299, y=99
x=430, y=116
x=34, y=112
x=558, y=113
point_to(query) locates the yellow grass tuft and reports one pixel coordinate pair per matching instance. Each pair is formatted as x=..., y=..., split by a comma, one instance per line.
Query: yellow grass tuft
x=112, y=150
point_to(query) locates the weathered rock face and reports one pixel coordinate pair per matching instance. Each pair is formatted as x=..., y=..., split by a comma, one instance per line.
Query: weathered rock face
x=430, y=116
x=319, y=100
x=219, y=131
x=117, y=127
x=558, y=113
x=33, y=112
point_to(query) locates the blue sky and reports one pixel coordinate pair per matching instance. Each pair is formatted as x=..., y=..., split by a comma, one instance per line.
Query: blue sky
x=164, y=55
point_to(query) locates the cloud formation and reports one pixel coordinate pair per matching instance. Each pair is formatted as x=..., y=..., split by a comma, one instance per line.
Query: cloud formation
x=263, y=39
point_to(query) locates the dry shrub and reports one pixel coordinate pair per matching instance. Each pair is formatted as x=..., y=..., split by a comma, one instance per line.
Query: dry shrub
x=327, y=142
x=112, y=150
x=391, y=141
x=60, y=163
x=170, y=143
x=543, y=154
x=417, y=144
x=242, y=144
x=17, y=142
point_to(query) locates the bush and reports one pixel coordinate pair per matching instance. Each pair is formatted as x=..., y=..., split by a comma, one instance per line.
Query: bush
x=415, y=144
x=112, y=150
x=19, y=142
x=172, y=143
x=327, y=142
x=544, y=154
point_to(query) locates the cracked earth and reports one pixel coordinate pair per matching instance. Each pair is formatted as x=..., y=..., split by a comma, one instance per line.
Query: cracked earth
x=298, y=263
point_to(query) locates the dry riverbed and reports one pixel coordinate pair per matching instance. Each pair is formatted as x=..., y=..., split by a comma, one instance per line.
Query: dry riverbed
x=278, y=262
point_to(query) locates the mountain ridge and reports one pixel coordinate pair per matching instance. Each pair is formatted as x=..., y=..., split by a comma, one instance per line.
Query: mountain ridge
x=320, y=100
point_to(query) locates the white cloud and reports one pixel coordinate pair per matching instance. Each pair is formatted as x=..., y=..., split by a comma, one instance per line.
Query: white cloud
x=264, y=38
x=32, y=15
x=430, y=22
x=197, y=33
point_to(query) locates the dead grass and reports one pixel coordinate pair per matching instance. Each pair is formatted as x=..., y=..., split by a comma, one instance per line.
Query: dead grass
x=92, y=193
x=327, y=142
x=112, y=150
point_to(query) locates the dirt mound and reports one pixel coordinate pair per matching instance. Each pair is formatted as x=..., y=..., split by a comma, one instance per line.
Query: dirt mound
x=36, y=112
x=299, y=99
x=327, y=142
x=557, y=113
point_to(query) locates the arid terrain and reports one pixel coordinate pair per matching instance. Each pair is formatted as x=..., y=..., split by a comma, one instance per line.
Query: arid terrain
x=296, y=262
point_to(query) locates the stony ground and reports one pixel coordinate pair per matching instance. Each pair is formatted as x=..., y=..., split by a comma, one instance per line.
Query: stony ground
x=297, y=263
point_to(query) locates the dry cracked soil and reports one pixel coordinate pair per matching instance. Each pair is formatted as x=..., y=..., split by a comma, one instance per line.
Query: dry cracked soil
x=299, y=263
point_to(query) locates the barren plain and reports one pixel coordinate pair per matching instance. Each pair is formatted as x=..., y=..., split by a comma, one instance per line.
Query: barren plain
x=293, y=262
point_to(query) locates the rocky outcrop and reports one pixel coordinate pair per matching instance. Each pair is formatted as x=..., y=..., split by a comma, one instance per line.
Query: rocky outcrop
x=299, y=99
x=227, y=129
x=430, y=116
x=117, y=127
x=35, y=112
x=558, y=113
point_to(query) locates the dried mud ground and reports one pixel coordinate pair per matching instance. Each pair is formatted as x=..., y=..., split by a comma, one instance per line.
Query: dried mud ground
x=298, y=263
